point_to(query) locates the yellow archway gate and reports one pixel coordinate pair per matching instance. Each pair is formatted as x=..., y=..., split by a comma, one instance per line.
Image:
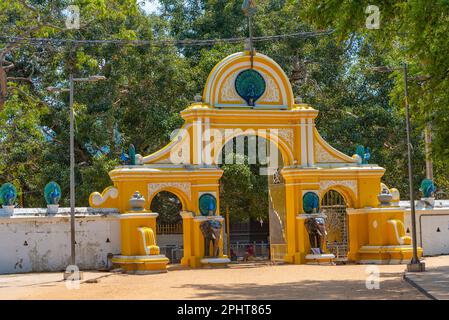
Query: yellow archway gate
x=188, y=165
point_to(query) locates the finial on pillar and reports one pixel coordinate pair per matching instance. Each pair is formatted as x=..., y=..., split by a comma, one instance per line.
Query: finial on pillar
x=247, y=46
x=298, y=100
x=137, y=202
x=249, y=8
x=198, y=98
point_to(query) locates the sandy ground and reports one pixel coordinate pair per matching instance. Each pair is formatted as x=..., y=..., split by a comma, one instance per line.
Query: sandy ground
x=251, y=281
x=435, y=281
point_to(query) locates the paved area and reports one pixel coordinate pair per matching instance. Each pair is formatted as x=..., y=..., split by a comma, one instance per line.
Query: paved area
x=435, y=281
x=236, y=282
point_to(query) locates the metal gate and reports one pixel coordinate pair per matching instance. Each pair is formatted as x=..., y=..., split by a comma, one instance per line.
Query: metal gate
x=333, y=206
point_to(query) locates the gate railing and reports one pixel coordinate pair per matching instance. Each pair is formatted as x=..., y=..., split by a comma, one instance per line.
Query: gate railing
x=173, y=228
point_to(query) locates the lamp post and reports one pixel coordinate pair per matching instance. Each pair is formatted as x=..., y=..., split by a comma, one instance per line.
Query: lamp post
x=72, y=80
x=415, y=264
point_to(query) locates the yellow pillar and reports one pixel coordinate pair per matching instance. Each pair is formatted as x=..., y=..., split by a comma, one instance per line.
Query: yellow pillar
x=187, y=224
x=133, y=257
x=290, y=221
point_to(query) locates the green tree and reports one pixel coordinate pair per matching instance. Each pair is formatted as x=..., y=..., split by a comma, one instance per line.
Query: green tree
x=414, y=32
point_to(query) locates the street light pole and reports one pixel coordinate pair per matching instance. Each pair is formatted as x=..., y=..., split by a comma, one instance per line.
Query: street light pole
x=72, y=176
x=72, y=81
x=415, y=265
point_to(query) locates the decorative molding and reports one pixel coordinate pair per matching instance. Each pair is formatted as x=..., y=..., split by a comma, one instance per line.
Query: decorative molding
x=324, y=156
x=287, y=135
x=154, y=188
x=326, y=184
x=99, y=198
x=228, y=92
x=271, y=93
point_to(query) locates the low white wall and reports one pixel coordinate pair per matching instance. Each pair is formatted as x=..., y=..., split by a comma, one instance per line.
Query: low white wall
x=432, y=227
x=31, y=241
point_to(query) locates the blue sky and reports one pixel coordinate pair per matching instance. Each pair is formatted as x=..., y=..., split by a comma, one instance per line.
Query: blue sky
x=149, y=6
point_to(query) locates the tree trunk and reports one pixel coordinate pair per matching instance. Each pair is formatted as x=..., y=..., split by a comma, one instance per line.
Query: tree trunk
x=2, y=87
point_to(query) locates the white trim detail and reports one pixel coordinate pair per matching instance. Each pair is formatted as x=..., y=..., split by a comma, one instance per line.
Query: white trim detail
x=310, y=146
x=207, y=146
x=393, y=222
x=98, y=199
x=303, y=143
x=147, y=251
x=138, y=215
x=198, y=133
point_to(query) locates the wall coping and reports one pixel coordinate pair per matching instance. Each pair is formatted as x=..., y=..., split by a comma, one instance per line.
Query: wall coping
x=63, y=213
x=367, y=210
x=304, y=216
x=205, y=218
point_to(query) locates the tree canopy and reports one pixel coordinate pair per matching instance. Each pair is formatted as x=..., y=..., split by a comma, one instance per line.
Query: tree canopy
x=148, y=84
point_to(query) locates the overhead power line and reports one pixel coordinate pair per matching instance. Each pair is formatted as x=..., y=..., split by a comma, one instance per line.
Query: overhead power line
x=182, y=43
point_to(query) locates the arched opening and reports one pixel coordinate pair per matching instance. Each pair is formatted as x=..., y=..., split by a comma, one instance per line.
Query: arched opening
x=252, y=199
x=333, y=205
x=169, y=224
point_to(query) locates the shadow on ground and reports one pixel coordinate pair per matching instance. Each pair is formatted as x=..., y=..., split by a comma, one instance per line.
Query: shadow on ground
x=309, y=289
x=435, y=281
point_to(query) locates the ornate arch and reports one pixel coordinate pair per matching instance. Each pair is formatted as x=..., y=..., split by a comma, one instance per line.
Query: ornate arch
x=180, y=189
x=347, y=188
x=219, y=90
x=283, y=144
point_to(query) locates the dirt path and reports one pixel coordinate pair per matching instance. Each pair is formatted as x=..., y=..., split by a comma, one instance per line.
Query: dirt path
x=235, y=282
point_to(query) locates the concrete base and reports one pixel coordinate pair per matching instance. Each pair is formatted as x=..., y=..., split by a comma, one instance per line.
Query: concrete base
x=320, y=258
x=398, y=254
x=148, y=264
x=215, y=262
x=416, y=267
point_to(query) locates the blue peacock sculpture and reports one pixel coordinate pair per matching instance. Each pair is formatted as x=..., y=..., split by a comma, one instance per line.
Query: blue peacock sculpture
x=52, y=193
x=130, y=158
x=311, y=202
x=8, y=194
x=363, y=153
x=427, y=188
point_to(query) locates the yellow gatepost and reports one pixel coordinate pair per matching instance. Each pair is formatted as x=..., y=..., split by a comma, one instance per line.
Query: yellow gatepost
x=139, y=253
x=241, y=98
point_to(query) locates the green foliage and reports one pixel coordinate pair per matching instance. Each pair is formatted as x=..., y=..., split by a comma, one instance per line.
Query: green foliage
x=168, y=206
x=147, y=86
x=415, y=32
x=244, y=191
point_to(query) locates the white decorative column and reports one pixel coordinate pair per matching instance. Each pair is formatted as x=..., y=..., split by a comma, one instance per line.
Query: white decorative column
x=310, y=159
x=303, y=143
x=207, y=147
x=198, y=132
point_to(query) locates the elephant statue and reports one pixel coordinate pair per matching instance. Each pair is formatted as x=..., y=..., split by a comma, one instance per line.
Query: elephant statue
x=316, y=228
x=211, y=230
